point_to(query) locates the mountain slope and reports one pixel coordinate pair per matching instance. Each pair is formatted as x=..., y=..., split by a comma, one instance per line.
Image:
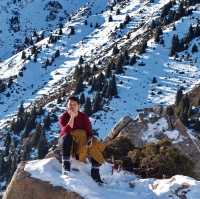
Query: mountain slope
x=42, y=79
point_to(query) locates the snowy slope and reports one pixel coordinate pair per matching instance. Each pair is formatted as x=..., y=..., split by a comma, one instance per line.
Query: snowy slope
x=36, y=78
x=117, y=185
x=135, y=88
x=87, y=41
x=32, y=16
x=138, y=91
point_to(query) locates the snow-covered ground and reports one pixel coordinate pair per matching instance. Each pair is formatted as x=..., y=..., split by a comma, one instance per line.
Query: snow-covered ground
x=138, y=91
x=117, y=184
x=158, y=128
x=33, y=17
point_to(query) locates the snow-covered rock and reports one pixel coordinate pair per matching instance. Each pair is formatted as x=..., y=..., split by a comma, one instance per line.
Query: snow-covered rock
x=41, y=179
x=25, y=184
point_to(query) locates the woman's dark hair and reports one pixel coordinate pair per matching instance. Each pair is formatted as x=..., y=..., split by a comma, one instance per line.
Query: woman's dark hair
x=74, y=98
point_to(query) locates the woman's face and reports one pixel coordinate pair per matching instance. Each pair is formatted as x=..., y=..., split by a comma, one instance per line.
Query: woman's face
x=73, y=106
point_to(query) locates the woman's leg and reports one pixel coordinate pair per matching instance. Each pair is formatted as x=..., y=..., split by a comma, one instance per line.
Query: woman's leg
x=95, y=171
x=66, y=151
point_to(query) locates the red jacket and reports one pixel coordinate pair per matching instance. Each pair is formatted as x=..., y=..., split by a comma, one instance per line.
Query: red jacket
x=80, y=122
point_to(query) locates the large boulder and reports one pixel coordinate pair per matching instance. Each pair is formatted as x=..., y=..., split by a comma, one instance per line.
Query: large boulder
x=129, y=137
x=130, y=129
x=190, y=146
x=194, y=96
x=24, y=186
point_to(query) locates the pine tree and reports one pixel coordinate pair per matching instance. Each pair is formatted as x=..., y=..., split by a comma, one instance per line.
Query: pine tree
x=59, y=100
x=35, y=34
x=14, y=162
x=154, y=80
x=36, y=135
x=184, y=109
x=96, y=25
x=26, y=41
x=79, y=86
x=10, y=82
x=119, y=65
x=33, y=112
x=50, y=39
x=87, y=72
x=97, y=102
x=181, y=10
x=194, y=48
x=111, y=88
x=94, y=69
x=191, y=33
x=88, y=107
x=31, y=41
x=104, y=90
x=133, y=60
x=126, y=57
x=7, y=143
x=121, y=26
x=23, y=55
x=42, y=145
x=114, y=86
x=175, y=45
x=60, y=31
x=81, y=60
x=29, y=125
x=157, y=33
x=153, y=24
x=82, y=99
x=57, y=53
x=98, y=82
x=72, y=30
x=34, y=50
x=47, y=63
x=108, y=71
x=115, y=50
x=47, y=122
x=127, y=19
x=179, y=96
x=118, y=11
x=142, y=47
x=110, y=19
x=78, y=72
x=20, y=110
x=197, y=30
x=35, y=58
x=25, y=151
x=95, y=84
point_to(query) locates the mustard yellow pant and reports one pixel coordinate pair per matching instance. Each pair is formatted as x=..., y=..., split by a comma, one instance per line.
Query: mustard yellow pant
x=94, y=149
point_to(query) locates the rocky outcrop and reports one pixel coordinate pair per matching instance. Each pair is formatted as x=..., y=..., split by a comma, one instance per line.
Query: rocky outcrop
x=130, y=129
x=189, y=146
x=23, y=186
x=194, y=96
x=129, y=132
x=133, y=129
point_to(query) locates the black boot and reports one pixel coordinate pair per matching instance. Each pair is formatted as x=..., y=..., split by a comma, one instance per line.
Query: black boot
x=66, y=166
x=95, y=175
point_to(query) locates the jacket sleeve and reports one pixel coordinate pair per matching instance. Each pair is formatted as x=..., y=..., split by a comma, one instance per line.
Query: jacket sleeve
x=65, y=128
x=87, y=126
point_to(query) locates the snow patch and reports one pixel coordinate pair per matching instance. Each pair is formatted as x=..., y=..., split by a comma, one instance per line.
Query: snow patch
x=117, y=184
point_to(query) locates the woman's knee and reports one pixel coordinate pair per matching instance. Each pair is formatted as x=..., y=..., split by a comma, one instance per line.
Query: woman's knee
x=67, y=139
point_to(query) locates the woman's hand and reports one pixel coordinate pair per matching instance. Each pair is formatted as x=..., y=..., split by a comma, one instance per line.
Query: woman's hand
x=73, y=114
